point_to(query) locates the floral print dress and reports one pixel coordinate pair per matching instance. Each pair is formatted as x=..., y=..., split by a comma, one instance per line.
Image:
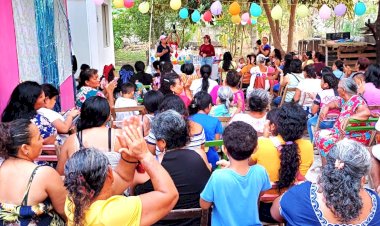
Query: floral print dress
x=45, y=127
x=326, y=138
x=84, y=93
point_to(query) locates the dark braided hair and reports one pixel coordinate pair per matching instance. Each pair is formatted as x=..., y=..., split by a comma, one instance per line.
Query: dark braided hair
x=205, y=73
x=291, y=126
x=85, y=174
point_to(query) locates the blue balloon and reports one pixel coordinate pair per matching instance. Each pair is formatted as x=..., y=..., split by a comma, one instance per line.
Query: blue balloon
x=253, y=21
x=195, y=16
x=360, y=9
x=184, y=13
x=255, y=10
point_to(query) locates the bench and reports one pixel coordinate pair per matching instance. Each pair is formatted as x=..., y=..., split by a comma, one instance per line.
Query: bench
x=188, y=214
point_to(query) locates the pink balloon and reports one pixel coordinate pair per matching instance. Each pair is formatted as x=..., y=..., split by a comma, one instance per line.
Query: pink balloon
x=98, y=2
x=249, y=21
x=129, y=3
x=245, y=17
x=325, y=12
x=207, y=16
x=340, y=9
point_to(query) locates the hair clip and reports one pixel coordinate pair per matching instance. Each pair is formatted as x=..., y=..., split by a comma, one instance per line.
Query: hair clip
x=166, y=80
x=289, y=142
x=339, y=164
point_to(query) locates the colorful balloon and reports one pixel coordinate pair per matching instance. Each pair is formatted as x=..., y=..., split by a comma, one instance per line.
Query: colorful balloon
x=184, y=13
x=129, y=3
x=340, y=9
x=195, y=16
x=255, y=10
x=325, y=12
x=207, y=16
x=216, y=8
x=253, y=21
x=234, y=9
x=243, y=23
x=302, y=11
x=235, y=19
x=144, y=7
x=98, y=2
x=118, y=3
x=360, y=9
x=245, y=17
x=175, y=4
x=276, y=12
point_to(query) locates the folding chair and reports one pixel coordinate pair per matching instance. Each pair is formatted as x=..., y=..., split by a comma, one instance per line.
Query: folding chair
x=188, y=214
x=285, y=91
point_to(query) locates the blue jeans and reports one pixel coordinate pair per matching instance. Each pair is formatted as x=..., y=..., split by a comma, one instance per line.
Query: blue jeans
x=313, y=122
x=207, y=60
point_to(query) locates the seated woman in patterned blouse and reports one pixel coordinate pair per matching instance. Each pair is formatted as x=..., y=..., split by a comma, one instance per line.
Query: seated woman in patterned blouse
x=339, y=198
x=24, y=102
x=29, y=194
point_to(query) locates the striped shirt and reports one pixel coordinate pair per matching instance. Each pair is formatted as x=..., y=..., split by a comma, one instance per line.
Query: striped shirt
x=196, y=140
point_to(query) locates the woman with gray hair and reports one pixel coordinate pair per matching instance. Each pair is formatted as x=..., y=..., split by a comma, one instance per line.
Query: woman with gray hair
x=339, y=197
x=188, y=168
x=352, y=106
x=94, y=188
x=224, y=106
x=258, y=105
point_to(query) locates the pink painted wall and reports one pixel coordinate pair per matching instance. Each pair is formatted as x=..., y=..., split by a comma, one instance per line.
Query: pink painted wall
x=9, y=75
x=67, y=94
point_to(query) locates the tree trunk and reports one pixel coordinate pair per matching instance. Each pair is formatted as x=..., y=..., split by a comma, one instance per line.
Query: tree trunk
x=275, y=35
x=292, y=18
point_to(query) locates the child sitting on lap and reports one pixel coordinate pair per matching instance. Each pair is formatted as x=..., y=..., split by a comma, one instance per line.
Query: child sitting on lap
x=245, y=182
x=126, y=100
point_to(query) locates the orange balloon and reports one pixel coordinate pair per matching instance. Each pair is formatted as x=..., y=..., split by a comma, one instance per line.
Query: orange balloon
x=234, y=8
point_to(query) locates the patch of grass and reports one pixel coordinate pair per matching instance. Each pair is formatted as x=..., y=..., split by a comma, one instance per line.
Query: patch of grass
x=123, y=56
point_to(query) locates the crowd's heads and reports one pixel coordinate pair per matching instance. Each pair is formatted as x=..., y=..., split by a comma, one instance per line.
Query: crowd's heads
x=51, y=94
x=173, y=102
x=258, y=100
x=188, y=68
x=347, y=86
x=342, y=179
x=338, y=65
x=319, y=57
x=89, y=78
x=84, y=67
x=309, y=55
x=233, y=78
x=163, y=39
x=26, y=98
x=95, y=112
x=171, y=83
x=201, y=101
x=205, y=73
x=20, y=138
x=128, y=88
x=156, y=65
x=207, y=37
x=86, y=172
x=108, y=72
x=261, y=59
x=240, y=140
x=309, y=71
x=170, y=130
x=277, y=54
x=372, y=75
x=139, y=66
x=296, y=66
x=329, y=81
x=152, y=99
x=225, y=96
x=227, y=59
x=362, y=64
x=291, y=126
x=165, y=67
x=273, y=118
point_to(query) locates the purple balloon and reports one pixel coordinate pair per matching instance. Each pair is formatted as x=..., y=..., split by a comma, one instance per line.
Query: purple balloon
x=340, y=9
x=216, y=8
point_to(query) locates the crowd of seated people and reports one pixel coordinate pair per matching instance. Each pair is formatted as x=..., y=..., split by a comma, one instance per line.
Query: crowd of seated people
x=133, y=168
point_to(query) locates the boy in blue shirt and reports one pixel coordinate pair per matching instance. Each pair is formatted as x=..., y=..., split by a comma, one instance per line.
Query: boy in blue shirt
x=235, y=191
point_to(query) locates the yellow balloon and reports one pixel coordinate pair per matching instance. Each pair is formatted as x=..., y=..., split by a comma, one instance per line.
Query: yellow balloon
x=118, y=3
x=175, y=4
x=234, y=9
x=236, y=19
x=276, y=12
x=144, y=7
x=302, y=11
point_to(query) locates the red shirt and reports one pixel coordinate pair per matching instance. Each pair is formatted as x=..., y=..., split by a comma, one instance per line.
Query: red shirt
x=208, y=49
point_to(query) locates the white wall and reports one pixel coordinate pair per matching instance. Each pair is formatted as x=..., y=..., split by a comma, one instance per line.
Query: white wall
x=87, y=34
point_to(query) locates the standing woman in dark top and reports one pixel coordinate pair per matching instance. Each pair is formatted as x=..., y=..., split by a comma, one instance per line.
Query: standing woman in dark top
x=187, y=167
x=163, y=49
x=207, y=51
